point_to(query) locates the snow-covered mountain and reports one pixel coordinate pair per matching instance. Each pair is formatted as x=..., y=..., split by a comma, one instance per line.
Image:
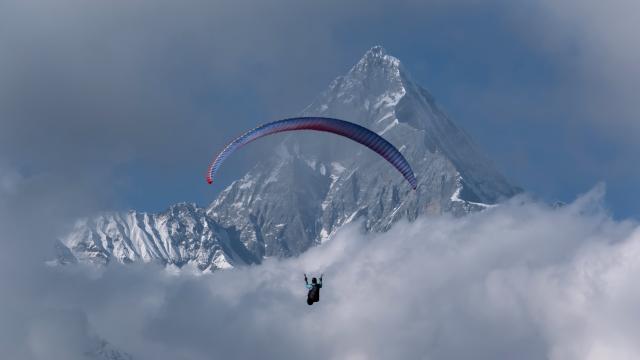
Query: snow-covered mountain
x=181, y=235
x=314, y=183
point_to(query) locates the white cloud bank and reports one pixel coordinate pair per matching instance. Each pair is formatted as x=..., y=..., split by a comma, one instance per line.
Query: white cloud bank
x=519, y=281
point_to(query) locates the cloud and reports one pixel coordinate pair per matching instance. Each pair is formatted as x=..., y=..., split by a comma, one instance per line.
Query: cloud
x=114, y=95
x=596, y=42
x=58, y=334
x=522, y=280
x=97, y=92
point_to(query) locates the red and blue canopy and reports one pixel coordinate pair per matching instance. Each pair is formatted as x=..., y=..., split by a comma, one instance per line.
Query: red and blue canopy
x=347, y=129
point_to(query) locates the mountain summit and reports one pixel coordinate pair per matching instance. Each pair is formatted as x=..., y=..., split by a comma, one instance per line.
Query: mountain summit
x=314, y=183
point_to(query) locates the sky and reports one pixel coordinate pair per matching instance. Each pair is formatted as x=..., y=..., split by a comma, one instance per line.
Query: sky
x=122, y=104
x=134, y=98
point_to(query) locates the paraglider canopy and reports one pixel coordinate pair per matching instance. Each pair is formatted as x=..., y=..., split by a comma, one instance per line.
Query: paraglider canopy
x=347, y=129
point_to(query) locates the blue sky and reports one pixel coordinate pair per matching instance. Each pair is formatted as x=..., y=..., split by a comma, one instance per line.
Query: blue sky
x=131, y=100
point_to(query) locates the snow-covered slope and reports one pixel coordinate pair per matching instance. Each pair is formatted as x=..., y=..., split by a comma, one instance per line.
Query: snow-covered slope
x=313, y=183
x=181, y=235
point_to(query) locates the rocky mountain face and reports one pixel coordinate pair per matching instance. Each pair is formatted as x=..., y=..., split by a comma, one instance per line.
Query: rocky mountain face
x=314, y=183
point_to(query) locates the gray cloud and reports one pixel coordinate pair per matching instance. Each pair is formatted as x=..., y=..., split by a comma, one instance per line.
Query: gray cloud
x=594, y=44
x=92, y=92
x=596, y=41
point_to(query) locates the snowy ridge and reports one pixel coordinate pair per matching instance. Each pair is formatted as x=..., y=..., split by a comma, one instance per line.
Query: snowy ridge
x=181, y=235
x=456, y=195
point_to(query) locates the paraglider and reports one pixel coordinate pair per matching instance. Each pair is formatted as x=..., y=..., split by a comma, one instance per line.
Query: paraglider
x=313, y=296
x=347, y=129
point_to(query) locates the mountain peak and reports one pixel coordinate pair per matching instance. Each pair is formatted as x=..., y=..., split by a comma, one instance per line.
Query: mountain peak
x=376, y=83
x=376, y=51
x=376, y=59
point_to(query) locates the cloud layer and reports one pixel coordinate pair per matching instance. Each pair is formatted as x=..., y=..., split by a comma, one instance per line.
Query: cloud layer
x=519, y=281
